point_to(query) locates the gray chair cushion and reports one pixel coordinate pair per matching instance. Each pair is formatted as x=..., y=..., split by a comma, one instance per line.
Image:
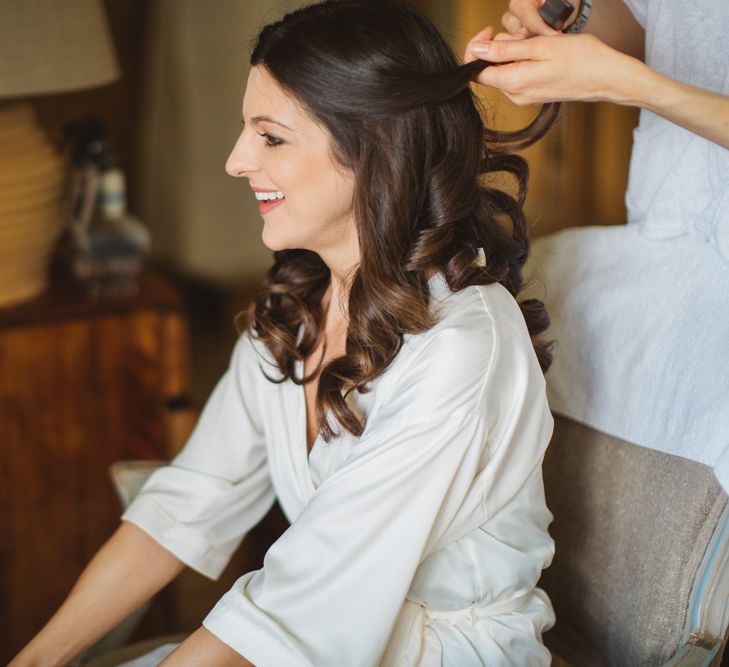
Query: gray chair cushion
x=631, y=526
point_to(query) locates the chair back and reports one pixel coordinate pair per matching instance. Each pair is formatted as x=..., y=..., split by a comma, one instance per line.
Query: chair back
x=631, y=529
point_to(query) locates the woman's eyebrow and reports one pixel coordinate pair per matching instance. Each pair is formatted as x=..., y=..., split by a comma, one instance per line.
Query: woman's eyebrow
x=257, y=119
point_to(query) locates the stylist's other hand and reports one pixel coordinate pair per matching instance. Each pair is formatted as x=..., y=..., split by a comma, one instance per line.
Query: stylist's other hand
x=522, y=18
x=550, y=68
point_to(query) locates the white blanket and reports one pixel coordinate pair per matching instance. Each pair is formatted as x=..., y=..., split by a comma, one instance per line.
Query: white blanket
x=642, y=330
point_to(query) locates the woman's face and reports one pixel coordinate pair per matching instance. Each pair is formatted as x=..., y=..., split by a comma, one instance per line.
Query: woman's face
x=283, y=150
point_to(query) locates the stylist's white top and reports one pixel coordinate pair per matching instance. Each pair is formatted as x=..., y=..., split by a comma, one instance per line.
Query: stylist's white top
x=679, y=181
x=418, y=543
x=639, y=311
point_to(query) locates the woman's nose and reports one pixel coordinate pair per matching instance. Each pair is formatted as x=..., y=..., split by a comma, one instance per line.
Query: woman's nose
x=241, y=161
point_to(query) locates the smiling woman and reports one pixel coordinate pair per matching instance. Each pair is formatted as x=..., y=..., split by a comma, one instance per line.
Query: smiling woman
x=314, y=208
x=389, y=386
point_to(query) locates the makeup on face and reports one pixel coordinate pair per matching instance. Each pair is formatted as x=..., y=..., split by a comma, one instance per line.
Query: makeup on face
x=302, y=195
x=268, y=199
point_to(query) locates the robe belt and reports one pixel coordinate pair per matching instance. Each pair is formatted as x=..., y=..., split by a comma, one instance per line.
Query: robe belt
x=408, y=641
x=475, y=611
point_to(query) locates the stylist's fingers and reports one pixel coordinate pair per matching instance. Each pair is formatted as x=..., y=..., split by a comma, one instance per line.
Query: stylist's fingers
x=508, y=50
x=507, y=37
x=485, y=35
x=511, y=23
x=525, y=14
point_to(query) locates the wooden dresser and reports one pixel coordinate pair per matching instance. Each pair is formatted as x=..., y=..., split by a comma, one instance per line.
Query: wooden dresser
x=83, y=383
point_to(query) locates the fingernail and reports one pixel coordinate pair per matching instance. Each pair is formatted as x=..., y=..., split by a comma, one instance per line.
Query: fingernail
x=480, y=47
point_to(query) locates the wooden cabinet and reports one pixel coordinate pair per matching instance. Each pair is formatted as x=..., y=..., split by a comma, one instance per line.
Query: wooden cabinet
x=82, y=384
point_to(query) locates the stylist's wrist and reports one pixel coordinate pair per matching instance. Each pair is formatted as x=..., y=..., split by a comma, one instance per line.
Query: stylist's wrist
x=633, y=84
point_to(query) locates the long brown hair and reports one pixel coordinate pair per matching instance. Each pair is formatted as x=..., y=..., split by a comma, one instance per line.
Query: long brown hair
x=401, y=114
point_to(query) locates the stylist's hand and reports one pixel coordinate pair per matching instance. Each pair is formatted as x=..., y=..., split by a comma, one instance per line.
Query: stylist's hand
x=522, y=18
x=549, y=68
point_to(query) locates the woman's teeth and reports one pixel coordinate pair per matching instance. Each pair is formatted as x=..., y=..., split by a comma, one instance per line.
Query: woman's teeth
x=265, y=196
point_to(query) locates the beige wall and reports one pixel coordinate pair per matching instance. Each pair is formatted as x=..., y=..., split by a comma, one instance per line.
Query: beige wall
x=202, y=220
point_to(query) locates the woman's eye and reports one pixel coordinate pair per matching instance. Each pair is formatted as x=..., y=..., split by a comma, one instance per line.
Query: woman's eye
x=270, y=139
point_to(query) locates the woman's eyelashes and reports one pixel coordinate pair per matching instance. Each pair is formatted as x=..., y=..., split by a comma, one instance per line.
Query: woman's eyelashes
x=271, y=141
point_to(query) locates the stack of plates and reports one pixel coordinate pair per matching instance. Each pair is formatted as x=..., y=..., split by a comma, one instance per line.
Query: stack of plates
x=32, y=179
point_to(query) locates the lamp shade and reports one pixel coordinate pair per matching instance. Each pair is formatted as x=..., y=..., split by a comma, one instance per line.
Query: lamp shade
x=49, y=46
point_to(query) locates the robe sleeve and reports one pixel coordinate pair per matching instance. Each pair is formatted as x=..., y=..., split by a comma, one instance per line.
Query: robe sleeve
x=332, y=586
x=218, y=487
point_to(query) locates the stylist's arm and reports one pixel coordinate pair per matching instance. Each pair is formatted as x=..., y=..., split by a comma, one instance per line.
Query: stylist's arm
x=548, y=66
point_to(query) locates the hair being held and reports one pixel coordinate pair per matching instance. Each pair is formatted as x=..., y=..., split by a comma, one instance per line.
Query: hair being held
x=381, y=79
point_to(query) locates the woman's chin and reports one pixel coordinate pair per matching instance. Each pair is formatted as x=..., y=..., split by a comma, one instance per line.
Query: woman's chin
x=270, y=238
x=275, y=241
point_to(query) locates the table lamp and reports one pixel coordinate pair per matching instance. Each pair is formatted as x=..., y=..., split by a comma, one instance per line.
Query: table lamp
x=46, y=46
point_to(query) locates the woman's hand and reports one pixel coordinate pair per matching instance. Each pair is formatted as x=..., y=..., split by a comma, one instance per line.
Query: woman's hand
x=128, y=569
x=556, y=67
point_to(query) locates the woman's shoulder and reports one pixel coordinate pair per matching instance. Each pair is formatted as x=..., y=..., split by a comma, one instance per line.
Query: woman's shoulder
x=251, y=362
x=479, y=334
x=475, y=322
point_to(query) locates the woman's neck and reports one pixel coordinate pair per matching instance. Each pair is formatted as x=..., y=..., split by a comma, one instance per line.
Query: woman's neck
x=335, y=303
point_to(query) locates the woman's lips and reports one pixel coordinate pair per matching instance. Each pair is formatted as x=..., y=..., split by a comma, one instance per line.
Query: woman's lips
x=266, y=206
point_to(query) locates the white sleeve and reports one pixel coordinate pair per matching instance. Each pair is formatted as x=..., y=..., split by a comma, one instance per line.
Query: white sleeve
x=218, y=487
x=332, y=586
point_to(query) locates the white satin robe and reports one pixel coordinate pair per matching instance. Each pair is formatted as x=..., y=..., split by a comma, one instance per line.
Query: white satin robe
x=418, y=543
